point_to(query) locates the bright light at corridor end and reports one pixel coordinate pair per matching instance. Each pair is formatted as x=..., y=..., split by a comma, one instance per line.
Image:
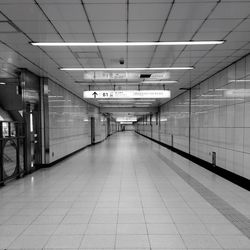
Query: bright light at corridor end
x=125, y=69
x=80, y=44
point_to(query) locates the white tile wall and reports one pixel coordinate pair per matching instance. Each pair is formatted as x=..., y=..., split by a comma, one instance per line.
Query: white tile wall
x=69, y=122
x=219, y=123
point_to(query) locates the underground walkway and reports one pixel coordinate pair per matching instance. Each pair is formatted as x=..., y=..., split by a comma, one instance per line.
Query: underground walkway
x=124, y=193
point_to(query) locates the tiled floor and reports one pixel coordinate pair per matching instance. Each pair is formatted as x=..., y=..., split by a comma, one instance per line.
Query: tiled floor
x=125, y=193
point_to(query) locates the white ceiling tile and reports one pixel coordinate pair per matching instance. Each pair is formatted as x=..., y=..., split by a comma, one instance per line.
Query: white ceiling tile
x=214, y=60
x=151, y=1
x=114, y=55
x=218, y=53
x=210, y=35
x=143, y=37
x=239, y=36
x=148, y=11
x=190, y=11
x=176, y=36
x=199, y=47
x=140, y=54
x=84, y=49
x=64, y=12
x=193, y=53
x=54, y=1
x=22, y=12
x=61, y=54
x=237, y=9
x=2, y=18
x=36, y=27
x=186, y=61
x=145, y=26
x=219, y=25
x=102, y=1
x=68, y=62
x=72, y=26
x=182, y=26
x=73, y=37
x=102, y=37
x=240, y=53
x=45, y=37
x=162, y=61
x=109, y=26
x=228, y=45
x=106, y=11
x=244, y=26
x=6, y=27
x=14, y=38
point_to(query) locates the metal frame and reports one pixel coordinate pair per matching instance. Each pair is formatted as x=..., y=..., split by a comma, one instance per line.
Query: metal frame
x=16, y=138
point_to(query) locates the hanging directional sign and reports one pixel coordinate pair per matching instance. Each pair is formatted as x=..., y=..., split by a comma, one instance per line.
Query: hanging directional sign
x=125, y=94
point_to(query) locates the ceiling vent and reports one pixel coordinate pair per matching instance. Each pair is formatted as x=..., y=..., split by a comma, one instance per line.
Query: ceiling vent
x=8, y=27
x=145, y=75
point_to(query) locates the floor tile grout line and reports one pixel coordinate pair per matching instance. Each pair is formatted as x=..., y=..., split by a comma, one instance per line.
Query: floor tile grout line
x=150, y=247
x=170, y=213
x=194, y=184
x=118, y=209
x=195, y=214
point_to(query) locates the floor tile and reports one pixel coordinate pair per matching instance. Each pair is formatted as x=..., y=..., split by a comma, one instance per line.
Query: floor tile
x=98, y=241
x=131, y=228
x=29, y=242
x=101, y=229
x=132, y=241
x=169, y=228
x=166, y=241
x=64, y=241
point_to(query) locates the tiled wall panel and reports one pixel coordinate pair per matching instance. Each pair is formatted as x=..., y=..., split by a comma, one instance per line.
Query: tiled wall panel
x=219, y=119
x=69, y=122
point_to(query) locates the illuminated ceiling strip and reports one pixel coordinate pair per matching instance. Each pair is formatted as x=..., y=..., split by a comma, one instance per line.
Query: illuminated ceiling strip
x=163, y=82
x=125, y=69
x=62, y=44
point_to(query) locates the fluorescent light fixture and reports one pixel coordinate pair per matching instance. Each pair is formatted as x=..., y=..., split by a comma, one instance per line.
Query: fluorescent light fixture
x=210, y=95
x=143, y=103
x=224, y=99
x=126, y=69
x=80, y=44
x=126, y=119
x=162, y=82
x=2, y=83
x=239, y=81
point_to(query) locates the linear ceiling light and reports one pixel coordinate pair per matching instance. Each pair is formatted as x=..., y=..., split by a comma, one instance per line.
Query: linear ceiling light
x=125, y=69
x=60, y=44
x=163, y=82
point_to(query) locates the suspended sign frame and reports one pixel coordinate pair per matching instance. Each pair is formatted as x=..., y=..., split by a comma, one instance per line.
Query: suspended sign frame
x=126, y=94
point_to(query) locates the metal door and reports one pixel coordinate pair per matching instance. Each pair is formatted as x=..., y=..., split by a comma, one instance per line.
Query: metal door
x=92, y=130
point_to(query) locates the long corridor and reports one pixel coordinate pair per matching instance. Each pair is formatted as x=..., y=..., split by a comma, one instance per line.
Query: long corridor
x=124, y=193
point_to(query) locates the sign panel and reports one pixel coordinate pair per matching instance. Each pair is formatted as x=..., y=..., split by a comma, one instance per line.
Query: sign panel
x=126, y=94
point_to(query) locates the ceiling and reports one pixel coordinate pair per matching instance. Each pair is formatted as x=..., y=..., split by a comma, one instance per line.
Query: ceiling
x=24, y=21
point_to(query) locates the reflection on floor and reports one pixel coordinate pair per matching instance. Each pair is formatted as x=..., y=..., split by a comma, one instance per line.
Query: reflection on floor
x=125, y=193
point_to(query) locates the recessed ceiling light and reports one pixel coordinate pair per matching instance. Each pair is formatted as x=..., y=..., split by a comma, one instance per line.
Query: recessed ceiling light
x=2, y=83
x=126, y=43
x=125, y=69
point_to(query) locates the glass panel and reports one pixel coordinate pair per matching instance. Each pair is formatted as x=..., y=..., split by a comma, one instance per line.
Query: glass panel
x=9, y=158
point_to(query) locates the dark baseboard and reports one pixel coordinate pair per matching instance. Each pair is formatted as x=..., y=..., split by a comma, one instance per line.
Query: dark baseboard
x=228, y=175
x=69, y=155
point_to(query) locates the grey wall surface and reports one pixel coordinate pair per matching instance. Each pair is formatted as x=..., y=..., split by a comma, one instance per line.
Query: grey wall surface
x=69, y=122
x=218, y=120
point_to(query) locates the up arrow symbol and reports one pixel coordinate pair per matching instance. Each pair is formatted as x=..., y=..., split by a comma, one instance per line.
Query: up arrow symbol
x=94, y=94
